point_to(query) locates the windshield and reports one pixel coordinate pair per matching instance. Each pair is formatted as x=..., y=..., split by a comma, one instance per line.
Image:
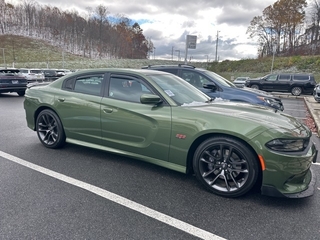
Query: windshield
x=221, y=80
x=179, y=90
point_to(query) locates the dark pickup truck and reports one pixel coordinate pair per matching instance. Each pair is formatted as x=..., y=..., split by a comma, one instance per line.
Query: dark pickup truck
x=295, y=83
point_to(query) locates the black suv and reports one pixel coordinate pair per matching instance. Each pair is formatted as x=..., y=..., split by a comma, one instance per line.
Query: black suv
x=284, y=82
x=216, y=86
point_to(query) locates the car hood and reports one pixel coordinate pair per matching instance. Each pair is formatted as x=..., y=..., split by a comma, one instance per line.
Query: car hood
x=256, y=115
x=257, y=91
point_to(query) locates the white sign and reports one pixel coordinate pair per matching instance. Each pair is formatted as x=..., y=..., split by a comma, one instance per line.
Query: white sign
x=191, y=41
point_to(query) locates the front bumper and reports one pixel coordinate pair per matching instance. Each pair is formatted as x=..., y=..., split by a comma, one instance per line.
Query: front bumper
x=290, y=176
x=274, y=192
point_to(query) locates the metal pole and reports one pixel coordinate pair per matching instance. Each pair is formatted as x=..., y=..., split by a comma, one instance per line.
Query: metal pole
x=274, y=50
x=172, y=54
x=178, y=54
x=217, y=46
x=4, y=58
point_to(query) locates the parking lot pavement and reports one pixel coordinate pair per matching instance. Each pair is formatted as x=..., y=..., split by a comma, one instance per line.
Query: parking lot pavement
x=314, y=110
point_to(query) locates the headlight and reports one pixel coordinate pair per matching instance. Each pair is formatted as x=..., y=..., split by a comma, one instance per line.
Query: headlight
x=270, y=101
x=288, y=145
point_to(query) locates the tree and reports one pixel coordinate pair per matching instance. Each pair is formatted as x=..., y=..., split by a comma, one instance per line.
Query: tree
x=280, y=25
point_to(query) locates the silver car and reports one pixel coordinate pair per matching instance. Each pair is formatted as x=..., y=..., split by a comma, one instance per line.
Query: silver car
x=316, y=93
x=240, y=81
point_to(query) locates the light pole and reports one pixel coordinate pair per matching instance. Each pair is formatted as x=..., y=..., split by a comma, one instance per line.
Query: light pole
x=172, y=54
x=274, y=51
x=4, y=58
x=154, y=53
x=178, y=54
x=217, y=46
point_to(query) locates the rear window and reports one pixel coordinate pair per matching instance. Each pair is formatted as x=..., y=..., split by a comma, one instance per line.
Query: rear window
x=301, y=77
x=35, y=71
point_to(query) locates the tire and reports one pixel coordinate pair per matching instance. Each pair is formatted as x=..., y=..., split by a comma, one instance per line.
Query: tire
x=255, y=86
x=21, y=93
x=226, y=176
x=50, y=130
x=296, y=91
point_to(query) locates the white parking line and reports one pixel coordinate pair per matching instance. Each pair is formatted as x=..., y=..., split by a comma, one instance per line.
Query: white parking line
x=183, y=226
x=316, y=164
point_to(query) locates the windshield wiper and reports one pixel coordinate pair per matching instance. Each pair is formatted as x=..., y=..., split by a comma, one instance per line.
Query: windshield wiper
x=210, y=100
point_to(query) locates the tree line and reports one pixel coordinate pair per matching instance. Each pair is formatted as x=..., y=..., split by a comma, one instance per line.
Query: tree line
x=95, y=35
x=287, y=28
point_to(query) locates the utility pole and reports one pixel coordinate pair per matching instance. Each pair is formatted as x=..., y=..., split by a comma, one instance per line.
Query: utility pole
x=172, y=54
x=217, y=46
x=178, y=54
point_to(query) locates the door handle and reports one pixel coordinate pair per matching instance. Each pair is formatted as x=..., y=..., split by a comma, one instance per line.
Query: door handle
x=108, y=110
x=61, y=99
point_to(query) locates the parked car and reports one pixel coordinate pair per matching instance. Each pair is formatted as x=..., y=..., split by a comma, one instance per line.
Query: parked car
x=316, y=93
x=32, y=75
x=160, y=118
x=240, y=81
x=295, y=83
x=12, y=81
x=62, y=72
x=217, y=86
x=50, y=74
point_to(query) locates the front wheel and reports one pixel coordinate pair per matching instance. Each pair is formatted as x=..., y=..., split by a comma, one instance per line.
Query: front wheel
x=21, y=93
x=296, y=91
x=50, y=130
x=225, y=166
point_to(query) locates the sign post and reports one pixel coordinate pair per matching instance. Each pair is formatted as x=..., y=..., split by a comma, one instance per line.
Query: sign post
x=191, y=42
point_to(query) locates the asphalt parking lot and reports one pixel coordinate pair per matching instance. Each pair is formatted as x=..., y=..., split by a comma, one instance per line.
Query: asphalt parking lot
x=81, y=193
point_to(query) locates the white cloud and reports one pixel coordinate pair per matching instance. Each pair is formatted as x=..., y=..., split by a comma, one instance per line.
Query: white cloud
x=167, y=22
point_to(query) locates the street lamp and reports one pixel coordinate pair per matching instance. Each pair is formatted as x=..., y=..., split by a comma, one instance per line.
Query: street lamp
x=3, y=56
x=217, y=46
x=178, y=54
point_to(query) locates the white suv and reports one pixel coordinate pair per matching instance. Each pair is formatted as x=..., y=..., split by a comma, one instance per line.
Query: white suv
x=32, y=75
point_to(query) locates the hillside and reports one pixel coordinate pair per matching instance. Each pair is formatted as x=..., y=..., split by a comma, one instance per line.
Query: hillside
x=24, y=52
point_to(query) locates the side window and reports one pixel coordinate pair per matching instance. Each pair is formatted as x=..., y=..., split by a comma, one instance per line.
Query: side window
x=194, y=78
x=301, y=77
x=89, y=85
x=284, y=77
x=127, y=89
x=272, y=77
x=173, y=71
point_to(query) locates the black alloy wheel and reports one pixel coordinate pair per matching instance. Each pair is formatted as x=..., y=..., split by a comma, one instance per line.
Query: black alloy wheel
x=225, y=166
x=50, y=130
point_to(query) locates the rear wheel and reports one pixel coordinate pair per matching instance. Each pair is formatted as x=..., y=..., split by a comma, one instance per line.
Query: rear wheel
x=21, y=93
x=50, y=130
x=255, y=86
x=296, y=91
x=225, y=166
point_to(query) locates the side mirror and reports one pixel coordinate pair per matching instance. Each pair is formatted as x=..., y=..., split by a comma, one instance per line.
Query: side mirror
x=150, y=99
x=211, y=86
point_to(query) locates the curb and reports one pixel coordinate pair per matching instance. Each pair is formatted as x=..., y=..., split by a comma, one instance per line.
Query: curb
x=314, y=110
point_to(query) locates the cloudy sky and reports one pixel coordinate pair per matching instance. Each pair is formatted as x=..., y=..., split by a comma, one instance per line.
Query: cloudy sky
x=167, y=22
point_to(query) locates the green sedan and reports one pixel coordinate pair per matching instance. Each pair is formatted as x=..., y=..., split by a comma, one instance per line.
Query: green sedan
x=159, y=118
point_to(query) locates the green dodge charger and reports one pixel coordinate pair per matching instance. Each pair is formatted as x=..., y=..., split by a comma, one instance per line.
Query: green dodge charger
x=160, y=118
